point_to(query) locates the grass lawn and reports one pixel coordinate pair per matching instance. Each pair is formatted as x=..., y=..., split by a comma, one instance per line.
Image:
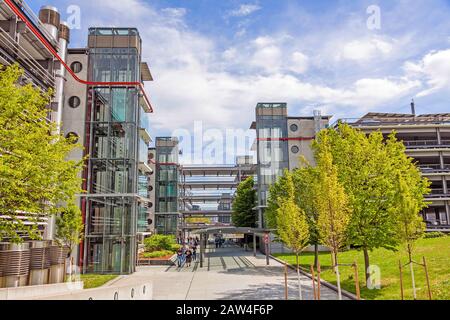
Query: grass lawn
x=96, y=280
x=436, y=252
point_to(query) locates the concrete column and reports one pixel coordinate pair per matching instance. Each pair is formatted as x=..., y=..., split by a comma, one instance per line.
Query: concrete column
x=447, y=212
x=254, y=245
x=444, y=185
x=438, y=133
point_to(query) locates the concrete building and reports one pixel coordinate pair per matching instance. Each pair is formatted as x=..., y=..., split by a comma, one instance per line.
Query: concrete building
x=427, y=140
x=207, y=192
x=281, y=141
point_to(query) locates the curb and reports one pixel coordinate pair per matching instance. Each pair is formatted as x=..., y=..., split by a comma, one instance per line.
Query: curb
x=322, y=282
x=111, y=282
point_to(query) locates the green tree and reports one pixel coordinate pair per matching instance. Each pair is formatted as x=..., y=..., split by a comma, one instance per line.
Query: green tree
x=69, y=227
x=410, y=225
x=292, y=224
x=35, y=177
x=305, y=181
x=366, y=167
x=245, y=200
x=333, y=209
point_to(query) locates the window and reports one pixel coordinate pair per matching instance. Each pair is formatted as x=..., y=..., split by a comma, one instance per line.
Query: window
x=74, y=102
x=294, y=127
x=76, y=67
x=295, y=149
x=72, y=136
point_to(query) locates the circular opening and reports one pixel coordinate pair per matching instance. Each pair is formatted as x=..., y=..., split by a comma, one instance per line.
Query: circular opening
x=132, y=293
x=295, y=149
x=294, y=127
x=76, y=66
x=144, y=288
x=73, y=137
x=116, y=296
x=150, y=188
x=150, y=204
x=74, y=102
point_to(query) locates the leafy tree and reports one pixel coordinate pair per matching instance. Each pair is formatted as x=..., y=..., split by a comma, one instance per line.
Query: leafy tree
x=69, y=227
x=305, y=181
x=245, y=200
x=35, y=177
x=292, y=224
x=366, y=167
x=333, y=208
x=410, y=225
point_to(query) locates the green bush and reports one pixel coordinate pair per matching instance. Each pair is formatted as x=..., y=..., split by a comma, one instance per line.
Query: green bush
x=174, y=247
x=159, y=242
x=158, y=254
x=435, y=234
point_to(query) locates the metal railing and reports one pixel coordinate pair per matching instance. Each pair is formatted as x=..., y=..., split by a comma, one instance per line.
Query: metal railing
x=36, y=21
x=434, y=167
x=16, y=53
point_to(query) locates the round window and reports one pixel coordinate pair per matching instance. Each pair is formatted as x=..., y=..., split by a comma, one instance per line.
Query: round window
x=295, y=149
x=294, y=127
x=76, y=66
x=150, y=188
x=74, y=102
x=150, y=205
x=72, y=136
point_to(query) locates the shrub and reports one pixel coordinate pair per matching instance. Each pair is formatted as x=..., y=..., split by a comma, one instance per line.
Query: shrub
x=435, y=234
x=158, y=254
x=159, y=242
x=175, y=246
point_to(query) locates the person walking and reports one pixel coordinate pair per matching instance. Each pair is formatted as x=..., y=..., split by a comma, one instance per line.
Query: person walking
x=194, y=253
x=180, y=258
x=188, y=257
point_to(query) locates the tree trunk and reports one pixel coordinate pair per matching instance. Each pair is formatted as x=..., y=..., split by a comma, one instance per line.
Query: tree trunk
x=366, y=265
x=300, y=297
x=333, y=263
x=411, y=268
x=316, y=255
x=338, y=277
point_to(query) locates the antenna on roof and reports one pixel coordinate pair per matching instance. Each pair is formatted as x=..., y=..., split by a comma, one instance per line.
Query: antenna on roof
x=413, y=107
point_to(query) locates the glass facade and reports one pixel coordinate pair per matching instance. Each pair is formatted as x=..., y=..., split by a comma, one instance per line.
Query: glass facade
x=167, y=186
x=114, y=181
x=273, y=153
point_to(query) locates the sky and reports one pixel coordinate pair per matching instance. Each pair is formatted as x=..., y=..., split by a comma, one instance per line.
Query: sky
x=213, y=61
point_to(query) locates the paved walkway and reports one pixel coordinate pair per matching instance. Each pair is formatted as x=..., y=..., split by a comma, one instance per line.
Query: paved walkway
x=227, y=274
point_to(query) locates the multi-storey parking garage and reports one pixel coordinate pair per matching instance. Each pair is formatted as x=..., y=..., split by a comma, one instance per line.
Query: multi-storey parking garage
x=207, y=191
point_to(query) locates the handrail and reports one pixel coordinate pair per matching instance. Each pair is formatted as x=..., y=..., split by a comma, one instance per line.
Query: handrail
x=46, y=43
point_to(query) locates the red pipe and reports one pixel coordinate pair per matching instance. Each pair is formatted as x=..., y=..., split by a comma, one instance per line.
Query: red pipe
x=46, y=43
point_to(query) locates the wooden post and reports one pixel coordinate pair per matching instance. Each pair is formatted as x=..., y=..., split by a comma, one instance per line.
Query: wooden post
x=428, y=279
x=401, y=279
x=358, y=293
x=318, y=280
x=286, y=292
x=313, y=282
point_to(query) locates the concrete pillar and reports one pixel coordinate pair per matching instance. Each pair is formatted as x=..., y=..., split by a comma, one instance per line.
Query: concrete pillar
x=447, y=212
x=254, y=245
x=438, y=133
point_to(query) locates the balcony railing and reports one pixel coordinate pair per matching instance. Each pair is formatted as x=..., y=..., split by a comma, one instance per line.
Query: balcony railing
x=32, y=16
x=438, y=193
x=434, y=168
x=14, y=52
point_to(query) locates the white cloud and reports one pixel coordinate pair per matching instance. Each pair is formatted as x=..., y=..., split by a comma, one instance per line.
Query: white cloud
x=245, y=10
x=299, y=63
x=435, y=68
x=363, y=50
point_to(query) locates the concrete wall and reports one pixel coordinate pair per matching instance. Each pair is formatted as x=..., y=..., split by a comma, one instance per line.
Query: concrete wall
x=33, y=292
x=142, y=291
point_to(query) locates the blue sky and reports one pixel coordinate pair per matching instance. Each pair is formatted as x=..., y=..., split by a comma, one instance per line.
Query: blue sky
x=212, y=61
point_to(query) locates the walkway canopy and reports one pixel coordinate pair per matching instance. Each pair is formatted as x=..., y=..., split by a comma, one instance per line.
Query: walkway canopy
x=233, y=230
x=204, y=235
